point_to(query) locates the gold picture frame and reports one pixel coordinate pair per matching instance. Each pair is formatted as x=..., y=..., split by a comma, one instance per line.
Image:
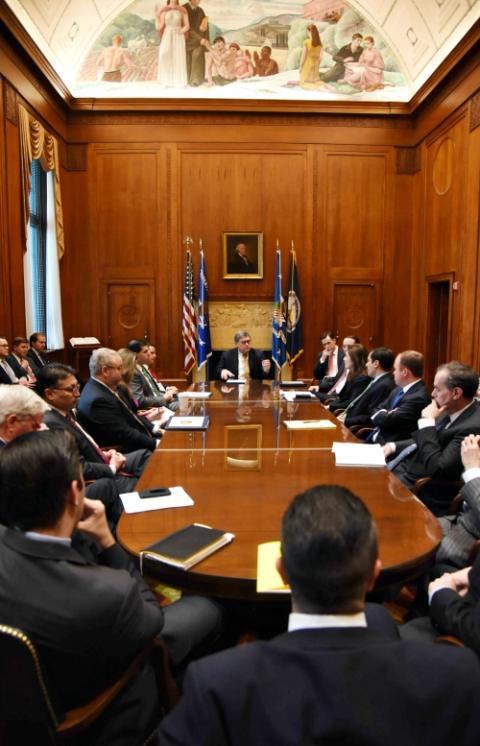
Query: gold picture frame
x=243, y=255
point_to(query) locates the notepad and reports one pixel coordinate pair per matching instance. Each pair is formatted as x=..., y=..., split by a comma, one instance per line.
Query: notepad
x=268, y=577
x=358, y=454
x=188, y=546
x=194, y=394
x=309, y=424
x=133, y=503
x=187, y=423
x=236, y=380
x=292, y=384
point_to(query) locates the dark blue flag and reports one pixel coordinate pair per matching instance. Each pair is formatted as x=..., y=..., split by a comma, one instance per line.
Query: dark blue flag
x=204, y=345
x=294, y=313
x=279, y=354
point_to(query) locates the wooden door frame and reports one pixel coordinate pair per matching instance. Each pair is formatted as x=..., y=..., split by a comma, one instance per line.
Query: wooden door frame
x=106, y=282
x=377, y=284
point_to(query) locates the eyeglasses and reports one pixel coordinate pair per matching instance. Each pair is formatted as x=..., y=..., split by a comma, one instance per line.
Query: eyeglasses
x=70, y=389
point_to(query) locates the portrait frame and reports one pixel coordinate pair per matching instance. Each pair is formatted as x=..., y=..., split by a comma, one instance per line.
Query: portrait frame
x=233, y=268
x=243, y=447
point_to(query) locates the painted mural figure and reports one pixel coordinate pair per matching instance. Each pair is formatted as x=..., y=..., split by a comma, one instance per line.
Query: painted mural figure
x=310, y=59
x=196, y=42
x=172, y=25
x=349, y=53
x=219, y=63
x=243, y=66
x=265, y=64
x=112, y=59
x=367, y=73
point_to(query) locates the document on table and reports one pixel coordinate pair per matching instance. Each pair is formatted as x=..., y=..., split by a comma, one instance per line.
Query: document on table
x=166, y=417
x=236, y=380
x=268, y=578
x=358, y=454
x=194, y=394
x=133, y=503
x=297, y=395
x=309, y=424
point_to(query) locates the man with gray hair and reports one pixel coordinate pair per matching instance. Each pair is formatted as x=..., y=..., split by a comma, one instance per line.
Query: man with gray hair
x=107, y=413
x=243, y=361
x=21, y=411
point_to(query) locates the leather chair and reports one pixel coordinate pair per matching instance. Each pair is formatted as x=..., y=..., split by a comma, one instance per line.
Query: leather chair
x=30, y=710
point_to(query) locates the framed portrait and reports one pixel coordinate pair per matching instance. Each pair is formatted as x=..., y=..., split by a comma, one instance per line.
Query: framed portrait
x=243, y=256
x=242, y=444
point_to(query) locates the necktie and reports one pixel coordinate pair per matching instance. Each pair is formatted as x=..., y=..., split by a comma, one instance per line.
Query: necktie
x=155, y=388
x=74, y=423
x=337, y=383
x=137, y=419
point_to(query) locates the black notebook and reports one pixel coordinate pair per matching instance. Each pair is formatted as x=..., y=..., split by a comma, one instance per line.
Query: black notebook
x=188, y=546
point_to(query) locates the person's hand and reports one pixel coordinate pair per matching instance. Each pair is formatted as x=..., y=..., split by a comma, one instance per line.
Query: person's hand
x=388, y=449
x=470, y=451
x=314, y=389
x=445, y=581
x=432, y=411
x=94, y=523
x=225, y=374
x=266, y=365
x=116, y=459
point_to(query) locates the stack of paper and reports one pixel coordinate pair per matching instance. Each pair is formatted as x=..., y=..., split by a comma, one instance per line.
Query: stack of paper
x=297, y=395
x=133, y=503
x=309, y=424
x=358, y=454
x=194, y=394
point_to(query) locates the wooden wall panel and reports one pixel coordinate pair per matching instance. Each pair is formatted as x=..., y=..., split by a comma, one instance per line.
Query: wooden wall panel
x=355, y=209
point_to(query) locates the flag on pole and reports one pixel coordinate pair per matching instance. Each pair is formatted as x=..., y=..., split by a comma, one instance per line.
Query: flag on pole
x=294, y=313
x=189, y=329
x=278, y=316
x=204, y=345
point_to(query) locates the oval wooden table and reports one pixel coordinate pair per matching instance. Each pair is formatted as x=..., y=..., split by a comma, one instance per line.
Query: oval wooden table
x=242, y=476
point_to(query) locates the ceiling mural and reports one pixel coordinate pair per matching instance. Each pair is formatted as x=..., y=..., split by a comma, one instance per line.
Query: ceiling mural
x=288, y=50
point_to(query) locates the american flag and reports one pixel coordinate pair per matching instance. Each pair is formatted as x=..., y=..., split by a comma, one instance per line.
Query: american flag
x=189, y=327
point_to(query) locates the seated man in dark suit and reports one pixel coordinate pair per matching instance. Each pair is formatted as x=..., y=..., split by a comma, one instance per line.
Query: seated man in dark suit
x=396, y=417
x=434, y=449
x=379, y=365
x=18, y=360
x=243, y=361
x=105, y=413
x=334, y=677
x=89, y=615
x=146, y=389
x=21, y=411
x=36, y=354
x=329, y=363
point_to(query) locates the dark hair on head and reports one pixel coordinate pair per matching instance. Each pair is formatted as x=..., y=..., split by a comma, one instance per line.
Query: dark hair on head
x=49, y=376
x=358, y=355
x=19, y=341
x=218, y=38
x=316, y=41
x=36, y=470
x=357, y=36
x=327, y=333
x=461, y=376
x=385, y=357
x=356, y=339
x=412, y=360
x=135, y=345
x=329, y=548
x=34, y=337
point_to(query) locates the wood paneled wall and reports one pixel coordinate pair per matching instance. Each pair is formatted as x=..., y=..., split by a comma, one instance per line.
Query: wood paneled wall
x=377, y=208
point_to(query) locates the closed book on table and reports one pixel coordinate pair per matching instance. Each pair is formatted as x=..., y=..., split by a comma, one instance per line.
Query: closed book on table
x=187, y=423
x=188, y=546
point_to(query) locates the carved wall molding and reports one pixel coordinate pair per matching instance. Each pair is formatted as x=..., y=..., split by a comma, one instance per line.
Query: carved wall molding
x=475, y=111
x=226, y=318
x=10, y=102
x=408, y=160
x=75, y=157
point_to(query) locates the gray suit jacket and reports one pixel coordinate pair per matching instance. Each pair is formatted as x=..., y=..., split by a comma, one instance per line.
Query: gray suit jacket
x=462, y=530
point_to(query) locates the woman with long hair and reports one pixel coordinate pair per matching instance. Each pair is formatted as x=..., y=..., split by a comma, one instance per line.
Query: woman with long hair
x=357, y=380
x=310, y=60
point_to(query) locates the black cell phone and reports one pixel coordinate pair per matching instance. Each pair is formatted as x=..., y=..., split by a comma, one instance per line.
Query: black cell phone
x=154, y=492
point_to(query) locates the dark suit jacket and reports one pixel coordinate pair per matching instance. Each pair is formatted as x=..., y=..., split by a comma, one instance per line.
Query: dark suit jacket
x=359, y=414
x=88, y=621
x=16, y=367
x=320, y=369
x=398, y=423
x=330, y=686
x=350, y=391
x=438, y=452
x=35, y=361
x=110, y=422
x=4, y=378
x=229, y=360
x=458, y=616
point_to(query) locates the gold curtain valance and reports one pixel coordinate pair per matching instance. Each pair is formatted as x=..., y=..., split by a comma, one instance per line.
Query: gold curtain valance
x=38, y=144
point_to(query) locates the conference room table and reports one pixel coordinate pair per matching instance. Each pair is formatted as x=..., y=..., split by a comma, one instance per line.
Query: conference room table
x=243, y=471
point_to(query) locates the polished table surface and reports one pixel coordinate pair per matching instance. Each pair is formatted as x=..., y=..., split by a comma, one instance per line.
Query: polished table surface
x=242, y=473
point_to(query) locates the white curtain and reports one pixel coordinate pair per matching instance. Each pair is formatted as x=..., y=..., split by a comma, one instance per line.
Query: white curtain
x=54, y=299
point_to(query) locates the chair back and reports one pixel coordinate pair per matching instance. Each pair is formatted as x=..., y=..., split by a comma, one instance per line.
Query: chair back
x=24, y=694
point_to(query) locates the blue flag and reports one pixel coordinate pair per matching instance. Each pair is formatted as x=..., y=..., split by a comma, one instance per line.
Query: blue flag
x=294, y=313
x=204, y=345
x=279, y=354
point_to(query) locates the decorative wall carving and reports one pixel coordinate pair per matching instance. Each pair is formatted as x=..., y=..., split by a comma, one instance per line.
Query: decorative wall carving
x=10, y=102
x=443, y=164
x=228, y=318
x=475, y=111
x=75, y=157
x=408, y=160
